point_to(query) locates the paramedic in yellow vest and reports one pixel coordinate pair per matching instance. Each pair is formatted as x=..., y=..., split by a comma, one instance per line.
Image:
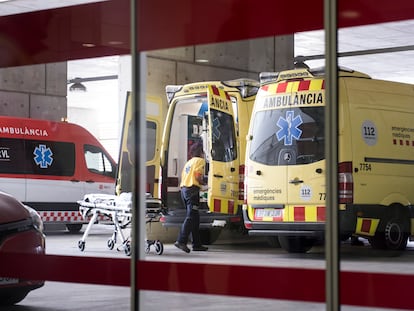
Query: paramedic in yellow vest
x=191, y=182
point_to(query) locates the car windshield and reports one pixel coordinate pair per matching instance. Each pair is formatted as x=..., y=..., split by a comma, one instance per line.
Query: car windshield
x=297, y=132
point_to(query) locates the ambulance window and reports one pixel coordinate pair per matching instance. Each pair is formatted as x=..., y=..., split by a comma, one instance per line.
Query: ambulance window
x=223, y=139
x=298, y=132
x=97, y=162
x=151, y=139
x=49, y=158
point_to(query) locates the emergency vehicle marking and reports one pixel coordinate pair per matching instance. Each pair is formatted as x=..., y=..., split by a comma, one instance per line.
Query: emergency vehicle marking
x=217, y=100
x=265, y=194
x=311, y=92
x=223, y=206
x=215, y=129
x=291, y=213
x=4, y=154
x=305, y=193
x=289, y=127
x=23, y=131
x=366, y=226
x=43, y=156
x=369, y=132
x=65, y=216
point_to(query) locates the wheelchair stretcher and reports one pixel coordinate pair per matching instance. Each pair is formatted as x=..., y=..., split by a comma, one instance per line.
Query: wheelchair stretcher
x=118, y=210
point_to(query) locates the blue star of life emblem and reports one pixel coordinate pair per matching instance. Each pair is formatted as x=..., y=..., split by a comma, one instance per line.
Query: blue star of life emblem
x=289, y=127
x=216, y=132
x=43, y=156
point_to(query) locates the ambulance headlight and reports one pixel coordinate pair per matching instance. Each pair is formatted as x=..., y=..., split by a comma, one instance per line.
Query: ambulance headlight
x=37, y=220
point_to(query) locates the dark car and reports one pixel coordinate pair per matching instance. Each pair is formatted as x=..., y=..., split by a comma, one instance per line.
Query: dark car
x=21, y=231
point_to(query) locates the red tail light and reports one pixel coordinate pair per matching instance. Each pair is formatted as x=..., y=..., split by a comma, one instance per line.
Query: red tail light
x=345, y=183
x=241, y=182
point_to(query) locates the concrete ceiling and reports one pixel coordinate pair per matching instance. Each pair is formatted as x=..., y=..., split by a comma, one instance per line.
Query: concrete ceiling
x=393, y=44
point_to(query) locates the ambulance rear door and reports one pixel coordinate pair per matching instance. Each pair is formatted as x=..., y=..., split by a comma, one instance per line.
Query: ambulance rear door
x=267, y=165
x=301, y=134
x=223, y=157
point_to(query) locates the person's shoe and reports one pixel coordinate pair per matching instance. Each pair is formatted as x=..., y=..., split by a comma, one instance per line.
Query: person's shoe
x=200, y=248
x=182, y=246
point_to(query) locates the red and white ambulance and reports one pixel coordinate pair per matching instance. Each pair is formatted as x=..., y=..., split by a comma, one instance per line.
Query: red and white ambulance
x=51, y=165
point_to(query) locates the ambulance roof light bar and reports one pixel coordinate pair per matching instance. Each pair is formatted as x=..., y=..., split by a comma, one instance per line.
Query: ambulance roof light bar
x=247, y=87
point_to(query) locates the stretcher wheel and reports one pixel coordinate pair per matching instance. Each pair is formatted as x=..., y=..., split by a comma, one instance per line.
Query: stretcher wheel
x=111, y=244
x=159, y=248
x=81, y=245
x=127, y=249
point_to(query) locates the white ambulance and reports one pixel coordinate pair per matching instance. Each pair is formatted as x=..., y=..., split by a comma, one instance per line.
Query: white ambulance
x=285, y=160
x=51, y=165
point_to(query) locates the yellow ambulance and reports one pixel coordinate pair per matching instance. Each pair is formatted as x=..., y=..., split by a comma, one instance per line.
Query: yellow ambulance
x=216, y=113
x=285, y=185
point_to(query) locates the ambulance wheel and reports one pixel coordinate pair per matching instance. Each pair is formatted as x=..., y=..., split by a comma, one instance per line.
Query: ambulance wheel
x=81, y=245
x=127, y=249
x=296, y=244
x=159, y=248
x=396, y=234
x=111, y=244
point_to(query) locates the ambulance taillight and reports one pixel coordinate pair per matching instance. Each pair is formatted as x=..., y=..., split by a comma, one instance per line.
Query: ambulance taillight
x=345, y=183
x=241, y=182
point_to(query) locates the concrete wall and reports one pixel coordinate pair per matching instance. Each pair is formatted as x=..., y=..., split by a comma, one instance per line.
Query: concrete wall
x=224, y=61
x=37, y=91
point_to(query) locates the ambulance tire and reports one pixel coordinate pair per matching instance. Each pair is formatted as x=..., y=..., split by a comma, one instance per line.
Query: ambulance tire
x=296, y=244
x=396, y=234
x=394, y=237
x=209, y=236
x=74, y=228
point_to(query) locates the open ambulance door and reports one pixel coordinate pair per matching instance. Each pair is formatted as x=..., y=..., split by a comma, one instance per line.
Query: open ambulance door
x=124, y=178
x=223, y=158
x=154, y=122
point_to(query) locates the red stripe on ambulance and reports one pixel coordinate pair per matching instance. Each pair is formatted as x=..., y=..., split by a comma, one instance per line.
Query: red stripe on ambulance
x=299, y=213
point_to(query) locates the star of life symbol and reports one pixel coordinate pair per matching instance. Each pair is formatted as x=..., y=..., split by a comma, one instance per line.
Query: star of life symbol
x=43, y=156
x=216, y=132
x=289, y=128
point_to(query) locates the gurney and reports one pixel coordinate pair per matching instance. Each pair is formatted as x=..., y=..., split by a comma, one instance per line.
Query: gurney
x=118, y=210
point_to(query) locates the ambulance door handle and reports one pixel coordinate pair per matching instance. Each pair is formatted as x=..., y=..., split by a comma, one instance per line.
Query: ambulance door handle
x=90, y=181
x=232, y=169
x=296, y=181
x=75, y=180
x=218, y=176
x=319, y=170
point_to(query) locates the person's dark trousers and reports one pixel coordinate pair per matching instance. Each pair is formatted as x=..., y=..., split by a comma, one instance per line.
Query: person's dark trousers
x=191, y=224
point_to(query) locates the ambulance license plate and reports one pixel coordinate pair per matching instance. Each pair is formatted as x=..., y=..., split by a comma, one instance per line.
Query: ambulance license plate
x=7, y=281
x=267, y=212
